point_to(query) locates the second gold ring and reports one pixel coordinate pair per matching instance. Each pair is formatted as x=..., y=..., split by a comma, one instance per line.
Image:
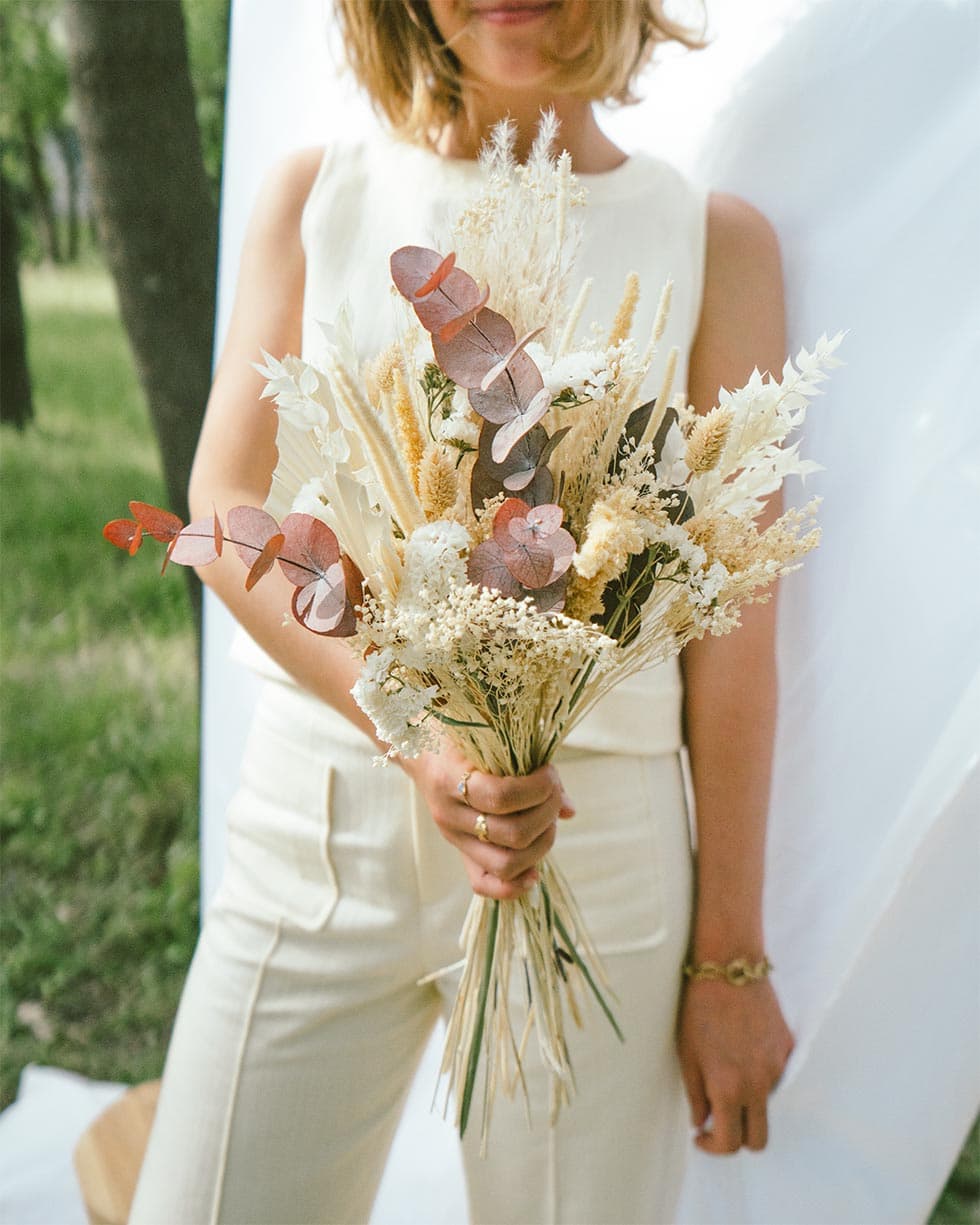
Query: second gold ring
x=482, y=832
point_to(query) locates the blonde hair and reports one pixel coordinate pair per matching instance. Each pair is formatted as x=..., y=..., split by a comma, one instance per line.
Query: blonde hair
x=415, y=81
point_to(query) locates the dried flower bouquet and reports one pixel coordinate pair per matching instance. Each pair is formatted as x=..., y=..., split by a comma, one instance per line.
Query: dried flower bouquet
x=504, y=530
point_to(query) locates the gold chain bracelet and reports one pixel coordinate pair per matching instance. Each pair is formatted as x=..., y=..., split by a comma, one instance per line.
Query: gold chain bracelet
x=737, y=972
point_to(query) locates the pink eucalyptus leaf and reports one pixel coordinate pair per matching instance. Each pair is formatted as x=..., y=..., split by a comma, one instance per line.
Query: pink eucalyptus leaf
x=489, y=479
x=322, y=604
x=532, y=564
x=546, y=519
x=549, y=447
x=496, y=371
x=479, y=346
x=310, y=549
x=248, y=530
x=449, y=331
x=511, y=432
x=487, y=567
x=519, y=480
x=439, y=292
x=412, y=267
x=552, y=597
x=510, y=395
x=194, y=545
x=534, y=545
x=531, y=540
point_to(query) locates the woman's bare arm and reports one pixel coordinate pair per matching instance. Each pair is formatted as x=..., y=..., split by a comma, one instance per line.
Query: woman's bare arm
x=733, y=1040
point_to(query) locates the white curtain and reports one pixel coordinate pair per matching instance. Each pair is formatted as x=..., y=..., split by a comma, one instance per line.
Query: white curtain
x=854, y=127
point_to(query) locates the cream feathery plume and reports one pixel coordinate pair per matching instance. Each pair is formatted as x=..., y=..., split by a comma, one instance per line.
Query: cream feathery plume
x=656, y=333
x=623, y=322
x=437, y=483
x=379, y=373
x=613, y=532
x=378, y=448
x=568, y=335
x=707, y=439
x=663, y=398
x=407, y=423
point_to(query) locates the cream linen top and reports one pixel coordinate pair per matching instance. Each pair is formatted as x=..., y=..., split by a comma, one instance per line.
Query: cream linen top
x=375, y=196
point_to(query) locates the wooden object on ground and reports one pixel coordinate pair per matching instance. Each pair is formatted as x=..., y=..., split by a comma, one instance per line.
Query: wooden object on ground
x=109, y=1154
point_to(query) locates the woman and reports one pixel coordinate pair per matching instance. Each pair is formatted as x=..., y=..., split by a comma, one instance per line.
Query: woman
x=302, y=1019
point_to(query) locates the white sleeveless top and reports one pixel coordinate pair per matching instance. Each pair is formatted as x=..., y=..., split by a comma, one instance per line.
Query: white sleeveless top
x=370, y=198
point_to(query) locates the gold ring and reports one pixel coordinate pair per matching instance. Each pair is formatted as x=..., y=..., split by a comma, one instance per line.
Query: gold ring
x=462, y=787
x=481, y=828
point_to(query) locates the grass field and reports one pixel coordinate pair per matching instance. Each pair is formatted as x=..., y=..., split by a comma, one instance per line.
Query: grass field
x=98, y=799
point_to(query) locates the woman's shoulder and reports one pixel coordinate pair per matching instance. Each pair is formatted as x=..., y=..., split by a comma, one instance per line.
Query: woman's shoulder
x=738, y=233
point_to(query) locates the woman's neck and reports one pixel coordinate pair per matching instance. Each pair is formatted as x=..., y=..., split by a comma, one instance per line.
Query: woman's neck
x=592, y=152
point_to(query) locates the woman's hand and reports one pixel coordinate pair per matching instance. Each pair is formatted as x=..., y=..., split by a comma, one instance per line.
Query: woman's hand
x=733, y=1044
x=521, y=817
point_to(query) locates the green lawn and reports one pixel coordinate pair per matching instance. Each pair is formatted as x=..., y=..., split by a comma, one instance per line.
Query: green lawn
x=98, y=799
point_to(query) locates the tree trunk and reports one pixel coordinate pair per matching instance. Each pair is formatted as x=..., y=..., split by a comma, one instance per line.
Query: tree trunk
x=16, y=401
x=40, y=187
x=129, y=72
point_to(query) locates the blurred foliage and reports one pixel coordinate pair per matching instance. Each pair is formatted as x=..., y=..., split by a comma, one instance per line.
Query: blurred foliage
x=98, y=799
x=959, y=1203
x=207, y=45
x=35, y=106
x=32, y=64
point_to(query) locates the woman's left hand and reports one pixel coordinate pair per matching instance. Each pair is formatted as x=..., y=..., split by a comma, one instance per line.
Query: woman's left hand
x=733, y=1044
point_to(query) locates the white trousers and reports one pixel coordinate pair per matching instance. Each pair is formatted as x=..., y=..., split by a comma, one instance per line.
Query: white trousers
x=301, y=1022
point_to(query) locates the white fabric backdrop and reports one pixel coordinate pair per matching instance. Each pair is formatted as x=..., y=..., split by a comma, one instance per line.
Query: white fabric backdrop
x=854, y=127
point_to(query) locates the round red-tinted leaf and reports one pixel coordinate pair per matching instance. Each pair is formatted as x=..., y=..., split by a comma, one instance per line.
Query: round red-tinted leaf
x=124, y=534
x=310, y=549
x=265, y=560
x=162, y=525
x=478, y=347
x=194, y=546
x=248, y=530
x=219, y=535
x=437, y=278
x=487, y=567
x=353, y=580
x=511, y=509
